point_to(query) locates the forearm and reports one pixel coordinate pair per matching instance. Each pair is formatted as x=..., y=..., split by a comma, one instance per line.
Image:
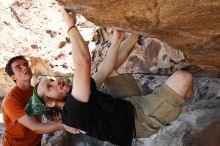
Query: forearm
x=125, y=49
x=38, y=127
x=109, y=62
x=42, y=128
x=107, y=66
x=80, y=50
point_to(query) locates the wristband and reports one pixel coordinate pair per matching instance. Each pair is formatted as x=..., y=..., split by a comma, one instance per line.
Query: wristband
x=71, y=30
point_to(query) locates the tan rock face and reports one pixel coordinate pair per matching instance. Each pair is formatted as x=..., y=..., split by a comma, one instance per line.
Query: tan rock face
x=190, y=25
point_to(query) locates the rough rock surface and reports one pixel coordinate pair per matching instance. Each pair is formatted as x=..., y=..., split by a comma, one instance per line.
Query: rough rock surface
x=190, y=25
x=36, y=29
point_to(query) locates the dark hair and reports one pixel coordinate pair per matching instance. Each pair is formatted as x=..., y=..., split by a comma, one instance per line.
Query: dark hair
x=52, y=111
x=43, y=99
x=8, y=68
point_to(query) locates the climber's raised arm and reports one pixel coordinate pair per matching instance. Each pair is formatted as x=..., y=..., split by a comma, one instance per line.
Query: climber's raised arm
x=108, y=64
x=81, y=59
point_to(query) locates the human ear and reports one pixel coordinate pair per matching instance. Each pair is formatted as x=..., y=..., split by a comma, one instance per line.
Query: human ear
x=13, y=77
x=50, y=103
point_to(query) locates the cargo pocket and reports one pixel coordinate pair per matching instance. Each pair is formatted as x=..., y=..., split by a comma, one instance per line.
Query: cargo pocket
x=165, y=112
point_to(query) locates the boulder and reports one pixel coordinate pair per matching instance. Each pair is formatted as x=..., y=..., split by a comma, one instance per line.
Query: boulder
x=190, y=25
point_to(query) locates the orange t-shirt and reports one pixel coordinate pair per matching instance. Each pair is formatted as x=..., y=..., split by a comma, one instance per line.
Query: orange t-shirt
x=13, y=106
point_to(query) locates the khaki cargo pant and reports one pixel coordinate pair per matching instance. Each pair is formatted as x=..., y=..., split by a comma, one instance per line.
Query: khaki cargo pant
x=153, y=111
